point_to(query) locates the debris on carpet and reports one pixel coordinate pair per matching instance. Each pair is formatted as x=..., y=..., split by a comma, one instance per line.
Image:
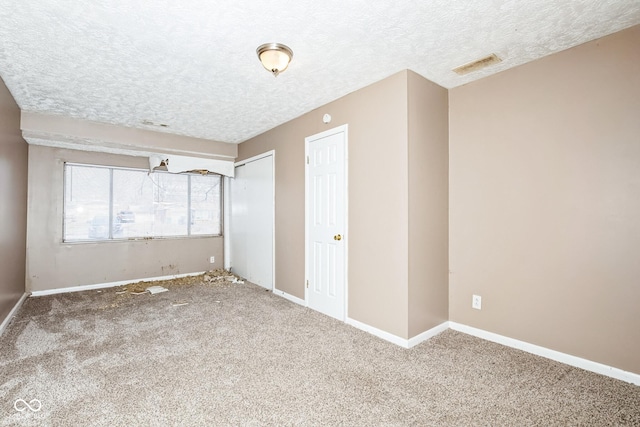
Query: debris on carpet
x=217, y=277
x=221, y=275
x=213, y=278
x=180, y=303
x=156, y=289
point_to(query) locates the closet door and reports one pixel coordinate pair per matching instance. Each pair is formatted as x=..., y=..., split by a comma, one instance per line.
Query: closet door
x=252, y=221
x=238, y=222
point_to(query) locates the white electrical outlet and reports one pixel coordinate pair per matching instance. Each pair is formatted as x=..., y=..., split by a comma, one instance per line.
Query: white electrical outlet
x=212, y=259
x=476, y=302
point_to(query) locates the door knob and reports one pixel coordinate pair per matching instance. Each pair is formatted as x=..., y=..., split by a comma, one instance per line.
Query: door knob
x=337, y=237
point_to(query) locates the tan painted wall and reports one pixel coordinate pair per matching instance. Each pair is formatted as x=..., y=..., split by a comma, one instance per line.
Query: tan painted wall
x=13, y=203
x=52, y=264
x=428, y=158
x=545, y=201
x=78, y=134
x=398, y=172
x=378, y=194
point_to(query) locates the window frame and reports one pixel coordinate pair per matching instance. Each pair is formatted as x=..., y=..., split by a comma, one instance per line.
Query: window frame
x=111, y=238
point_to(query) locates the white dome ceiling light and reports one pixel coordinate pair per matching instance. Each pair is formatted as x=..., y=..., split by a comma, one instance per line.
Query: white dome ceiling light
x=275, y=57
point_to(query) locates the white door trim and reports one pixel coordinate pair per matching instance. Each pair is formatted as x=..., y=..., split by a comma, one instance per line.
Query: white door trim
x=226, y=223
x=256, y=157
x=227, y=213
x=339, y=129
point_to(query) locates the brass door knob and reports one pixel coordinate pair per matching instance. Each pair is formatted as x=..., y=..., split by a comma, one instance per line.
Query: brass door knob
x=337, y=237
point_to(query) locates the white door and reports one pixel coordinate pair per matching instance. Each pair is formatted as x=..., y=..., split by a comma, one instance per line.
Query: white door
x=251, y=223
x=326, y=222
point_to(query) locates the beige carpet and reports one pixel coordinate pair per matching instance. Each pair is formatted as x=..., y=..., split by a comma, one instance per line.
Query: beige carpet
x=237, y=355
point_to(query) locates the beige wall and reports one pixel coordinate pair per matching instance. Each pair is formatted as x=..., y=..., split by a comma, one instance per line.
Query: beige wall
x=78, y=134
x=376, y=115
x=378, y=237
x=13, y=203
x=52, y=264
x=428, y=157
x=545, y=201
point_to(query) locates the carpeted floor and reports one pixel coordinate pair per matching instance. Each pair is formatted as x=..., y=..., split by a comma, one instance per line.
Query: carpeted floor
x=237, y=355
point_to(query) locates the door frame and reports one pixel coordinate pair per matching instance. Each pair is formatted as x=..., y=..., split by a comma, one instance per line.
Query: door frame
x=227, y=213
x=344, y=129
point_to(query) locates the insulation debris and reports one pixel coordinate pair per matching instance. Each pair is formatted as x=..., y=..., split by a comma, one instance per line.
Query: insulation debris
x=213, y=278
x=221, y=275
x=218, y=277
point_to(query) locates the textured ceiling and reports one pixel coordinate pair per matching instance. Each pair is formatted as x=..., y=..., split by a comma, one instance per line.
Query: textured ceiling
x=192, y=65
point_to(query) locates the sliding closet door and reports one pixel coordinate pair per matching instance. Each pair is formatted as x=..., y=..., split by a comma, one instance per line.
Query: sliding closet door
x=251, y=221
x=238, y=222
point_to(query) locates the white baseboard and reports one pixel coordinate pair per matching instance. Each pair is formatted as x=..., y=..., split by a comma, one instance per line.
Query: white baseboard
x=12, y=313
x=567, y=359
x=428, y=334
x=290, y=297
x=394, y=339
x=109, y=284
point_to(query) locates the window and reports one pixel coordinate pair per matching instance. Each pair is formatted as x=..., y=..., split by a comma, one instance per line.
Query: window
x=106, y=203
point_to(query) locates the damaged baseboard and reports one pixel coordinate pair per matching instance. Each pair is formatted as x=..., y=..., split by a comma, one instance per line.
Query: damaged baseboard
x=110, y=284
x=12, y=313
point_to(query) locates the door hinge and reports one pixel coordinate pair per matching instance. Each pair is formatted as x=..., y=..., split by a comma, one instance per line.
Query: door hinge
x=307, y=159
x=307, y=284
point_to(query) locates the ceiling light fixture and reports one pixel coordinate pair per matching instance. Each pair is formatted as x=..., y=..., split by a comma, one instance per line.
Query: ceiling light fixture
x=275, y=57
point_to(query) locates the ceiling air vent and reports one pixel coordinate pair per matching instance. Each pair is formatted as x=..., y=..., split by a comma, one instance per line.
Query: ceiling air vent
x=476, y=65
